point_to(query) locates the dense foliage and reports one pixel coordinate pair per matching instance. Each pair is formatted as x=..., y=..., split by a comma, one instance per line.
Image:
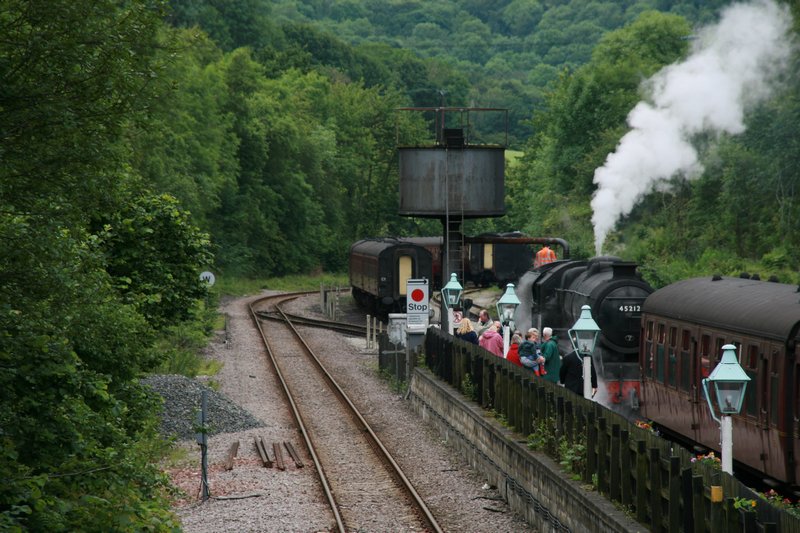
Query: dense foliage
x=84, y=286
x=140, y=137
x=739, y=215
x=508, y=51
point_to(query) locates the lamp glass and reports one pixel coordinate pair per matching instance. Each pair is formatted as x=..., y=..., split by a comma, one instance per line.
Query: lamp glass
x=730, y=395
x=451, y=293
x=729, y=381
x=584, y=332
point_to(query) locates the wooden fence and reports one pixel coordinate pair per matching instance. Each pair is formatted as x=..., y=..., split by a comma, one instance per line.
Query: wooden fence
x=649, y=477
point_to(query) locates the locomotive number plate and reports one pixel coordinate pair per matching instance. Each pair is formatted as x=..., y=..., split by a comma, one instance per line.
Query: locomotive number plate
x=630, y=308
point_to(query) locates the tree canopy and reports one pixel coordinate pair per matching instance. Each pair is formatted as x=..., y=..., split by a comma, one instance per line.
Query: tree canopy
x=146, y=141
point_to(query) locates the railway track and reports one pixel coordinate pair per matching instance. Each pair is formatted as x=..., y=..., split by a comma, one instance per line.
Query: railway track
x=365, y=487
x=298, y=320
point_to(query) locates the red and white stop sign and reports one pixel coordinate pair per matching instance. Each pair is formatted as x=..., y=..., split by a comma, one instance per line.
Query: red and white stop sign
x=417, y=305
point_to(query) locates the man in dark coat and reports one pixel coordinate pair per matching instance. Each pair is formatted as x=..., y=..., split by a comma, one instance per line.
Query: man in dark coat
x=571, y=373
x=552, y=358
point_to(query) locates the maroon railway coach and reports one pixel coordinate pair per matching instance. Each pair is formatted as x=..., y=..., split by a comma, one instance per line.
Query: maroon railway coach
x=685, y=325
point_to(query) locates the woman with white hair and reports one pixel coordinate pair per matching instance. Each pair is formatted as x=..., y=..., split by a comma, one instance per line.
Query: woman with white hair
x=552, y=359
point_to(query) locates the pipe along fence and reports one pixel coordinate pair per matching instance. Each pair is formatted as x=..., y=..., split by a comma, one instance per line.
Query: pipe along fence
x=652, y=479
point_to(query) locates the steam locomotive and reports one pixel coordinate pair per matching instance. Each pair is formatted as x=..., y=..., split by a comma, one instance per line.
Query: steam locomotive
x=615, y=291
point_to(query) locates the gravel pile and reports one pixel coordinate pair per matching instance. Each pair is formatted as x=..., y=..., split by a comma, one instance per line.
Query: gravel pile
x=182, y=397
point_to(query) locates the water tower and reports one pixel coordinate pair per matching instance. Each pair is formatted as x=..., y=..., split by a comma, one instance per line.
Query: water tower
x=455, y=176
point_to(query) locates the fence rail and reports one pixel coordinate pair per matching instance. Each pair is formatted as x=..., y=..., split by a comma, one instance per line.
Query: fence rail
x=648, y=476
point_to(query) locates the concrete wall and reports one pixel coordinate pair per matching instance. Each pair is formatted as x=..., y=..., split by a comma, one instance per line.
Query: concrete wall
x=532, y=483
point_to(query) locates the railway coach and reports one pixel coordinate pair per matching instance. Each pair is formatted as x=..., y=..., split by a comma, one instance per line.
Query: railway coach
x=380, y=269
x=685, y=325
x=495, y=259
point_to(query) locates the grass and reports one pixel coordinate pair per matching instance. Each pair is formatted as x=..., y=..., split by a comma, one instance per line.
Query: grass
x=182, y=345
x=245, y=286
x=512, y=156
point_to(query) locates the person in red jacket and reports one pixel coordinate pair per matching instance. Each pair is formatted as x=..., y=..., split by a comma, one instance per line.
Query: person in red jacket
x=513, y=349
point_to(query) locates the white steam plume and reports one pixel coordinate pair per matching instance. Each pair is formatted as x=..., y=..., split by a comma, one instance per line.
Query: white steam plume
x=731, y=68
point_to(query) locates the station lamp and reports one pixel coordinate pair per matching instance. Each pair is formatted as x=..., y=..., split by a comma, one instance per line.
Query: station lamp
x=451, y=293
x=729, y=382
x=583, y=337
x=451, y=296
x=506, y=308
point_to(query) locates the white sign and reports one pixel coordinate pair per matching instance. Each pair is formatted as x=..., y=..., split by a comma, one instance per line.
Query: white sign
x=208, y=277
x=417, y=303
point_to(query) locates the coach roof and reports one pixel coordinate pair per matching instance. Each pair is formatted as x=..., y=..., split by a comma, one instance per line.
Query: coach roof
x=753, y=307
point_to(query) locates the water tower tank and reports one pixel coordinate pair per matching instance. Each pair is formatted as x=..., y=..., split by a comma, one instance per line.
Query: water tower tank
x=454, y=174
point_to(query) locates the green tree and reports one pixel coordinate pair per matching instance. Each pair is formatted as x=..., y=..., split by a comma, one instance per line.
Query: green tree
x=188, y=147
x=154, y=255
x=584, y=119
x=76, y=449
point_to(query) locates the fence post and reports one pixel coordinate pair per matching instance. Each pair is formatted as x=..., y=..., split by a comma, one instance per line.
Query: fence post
x=501, y=390
x=336, y=304
x=641, y=481
x=687, y=501
x=602, y=455
x=698, y=503
x=456, y=365
x=591, y=448
x=569, y=421
x=527, y=404
x=516, y=400
x=655, y=489
x=614, y=488
x=675, y=494
x=488, y=381
x=625, y=471
x=477, y=373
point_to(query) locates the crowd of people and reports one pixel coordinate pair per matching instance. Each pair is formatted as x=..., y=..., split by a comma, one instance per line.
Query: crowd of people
x=538, y=354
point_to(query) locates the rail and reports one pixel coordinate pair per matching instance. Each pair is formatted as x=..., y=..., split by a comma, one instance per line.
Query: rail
x=364, y=427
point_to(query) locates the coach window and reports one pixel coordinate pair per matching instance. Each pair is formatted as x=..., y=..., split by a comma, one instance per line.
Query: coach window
x=647, y=357
x=405, y=268
x=718, y=349
x=673, y=356
x=685, y=359
x=749, y=365
x=751, y=360
x=705, y=363
x=774, y=386
x=660, y=353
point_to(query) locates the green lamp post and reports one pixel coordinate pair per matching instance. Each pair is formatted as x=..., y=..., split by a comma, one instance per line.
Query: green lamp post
x=729, y=382
x=506, y=308
x=451, y=296
x=583, y=337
